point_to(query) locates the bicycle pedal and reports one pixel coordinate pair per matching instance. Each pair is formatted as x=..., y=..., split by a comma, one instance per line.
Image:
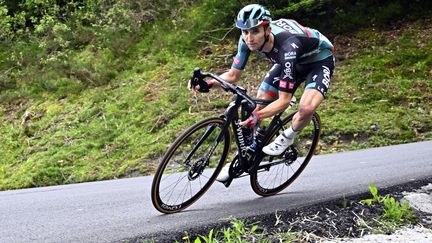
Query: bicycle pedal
x=227, y=183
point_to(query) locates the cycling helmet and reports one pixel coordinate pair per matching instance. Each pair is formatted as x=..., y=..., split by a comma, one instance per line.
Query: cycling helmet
x=253, y=15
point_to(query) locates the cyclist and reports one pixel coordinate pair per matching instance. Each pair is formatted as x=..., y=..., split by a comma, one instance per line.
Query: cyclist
x=297, y=53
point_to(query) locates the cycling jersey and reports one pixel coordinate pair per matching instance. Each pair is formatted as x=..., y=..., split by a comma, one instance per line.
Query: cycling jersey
x=292, y=43
x=294, y=46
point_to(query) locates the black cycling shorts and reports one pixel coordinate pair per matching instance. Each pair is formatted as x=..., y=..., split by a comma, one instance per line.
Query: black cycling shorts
x=316, y=75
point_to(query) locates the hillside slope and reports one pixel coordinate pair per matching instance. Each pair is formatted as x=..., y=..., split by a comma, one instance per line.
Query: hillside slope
x=55, y=130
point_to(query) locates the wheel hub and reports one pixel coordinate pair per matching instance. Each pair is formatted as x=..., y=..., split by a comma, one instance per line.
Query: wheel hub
x=290, y=155
x=196, y=169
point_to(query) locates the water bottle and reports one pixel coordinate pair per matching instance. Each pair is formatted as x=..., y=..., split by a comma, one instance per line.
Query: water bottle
x=248, y=135
x=257, y=139
x=259, y=136
x=253, y=145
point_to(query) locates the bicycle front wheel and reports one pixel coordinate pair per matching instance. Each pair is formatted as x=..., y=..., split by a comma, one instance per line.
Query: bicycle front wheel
x=275, y=173
x=190, y=165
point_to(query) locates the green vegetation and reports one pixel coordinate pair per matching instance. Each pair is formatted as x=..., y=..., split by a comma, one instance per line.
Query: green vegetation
x=394, y=214
x=93, y=90
x=240, y=231
x=341, y=16
x=382, y=88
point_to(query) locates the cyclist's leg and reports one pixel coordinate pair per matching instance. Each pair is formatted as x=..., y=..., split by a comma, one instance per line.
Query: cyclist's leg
x=317, y=84
x=309, y=102
x=268, y=90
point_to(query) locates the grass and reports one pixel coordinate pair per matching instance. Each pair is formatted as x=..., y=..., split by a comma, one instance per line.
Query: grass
x=243, y=231
x=239, y=231
x=117, y=123
x=394, y=214
x=382, y=88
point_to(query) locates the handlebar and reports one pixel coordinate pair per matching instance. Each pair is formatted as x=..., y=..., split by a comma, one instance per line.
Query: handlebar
x=199, y=76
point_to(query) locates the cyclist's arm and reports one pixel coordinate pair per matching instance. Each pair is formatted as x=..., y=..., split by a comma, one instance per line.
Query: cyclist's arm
x=236, y=70
x=238, y=64
x=272, y=109
x=276, y=106
x=233, y=75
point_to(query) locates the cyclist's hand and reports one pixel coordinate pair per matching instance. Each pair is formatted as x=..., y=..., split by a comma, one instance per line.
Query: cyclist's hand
x=202, y=86
x=253, y=121
x=193, y=88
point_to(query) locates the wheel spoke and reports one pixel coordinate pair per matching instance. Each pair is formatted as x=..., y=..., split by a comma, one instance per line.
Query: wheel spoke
x=170, y=192
x=279, y=171
x=185, y=174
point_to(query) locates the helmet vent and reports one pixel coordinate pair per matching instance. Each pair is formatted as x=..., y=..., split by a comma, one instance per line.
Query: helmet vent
x=257, y=14
x=246, y=16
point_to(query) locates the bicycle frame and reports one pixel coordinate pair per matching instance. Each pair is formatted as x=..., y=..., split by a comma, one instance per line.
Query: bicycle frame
x=249, y=162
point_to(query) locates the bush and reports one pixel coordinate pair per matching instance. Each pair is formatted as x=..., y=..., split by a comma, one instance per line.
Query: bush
x=338, y=16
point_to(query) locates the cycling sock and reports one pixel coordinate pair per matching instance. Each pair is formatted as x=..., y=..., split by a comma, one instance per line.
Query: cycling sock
x=290, y=133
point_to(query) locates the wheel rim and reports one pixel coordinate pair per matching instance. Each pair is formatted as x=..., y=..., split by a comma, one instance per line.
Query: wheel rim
x=287, y=166
x=185, y=176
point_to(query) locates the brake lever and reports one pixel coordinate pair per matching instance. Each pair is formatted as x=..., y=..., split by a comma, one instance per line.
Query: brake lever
x=197, y=76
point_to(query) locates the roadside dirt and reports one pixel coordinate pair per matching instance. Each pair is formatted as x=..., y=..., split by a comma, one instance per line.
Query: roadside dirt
x=335, y=221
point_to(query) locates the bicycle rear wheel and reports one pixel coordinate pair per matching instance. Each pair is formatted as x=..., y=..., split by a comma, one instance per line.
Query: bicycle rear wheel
x=190, y=165
x=275, y=173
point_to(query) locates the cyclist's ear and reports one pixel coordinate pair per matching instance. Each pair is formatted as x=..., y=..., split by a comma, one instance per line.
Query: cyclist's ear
x=268, y=29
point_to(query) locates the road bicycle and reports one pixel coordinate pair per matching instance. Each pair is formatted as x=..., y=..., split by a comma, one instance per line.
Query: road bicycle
x=194, y=160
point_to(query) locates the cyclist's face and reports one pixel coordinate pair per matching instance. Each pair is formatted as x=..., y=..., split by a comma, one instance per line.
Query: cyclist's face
x=254, y=37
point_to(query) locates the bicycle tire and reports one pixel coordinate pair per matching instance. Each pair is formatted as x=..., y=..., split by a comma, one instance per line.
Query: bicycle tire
x=274, y=179
x=180, y=181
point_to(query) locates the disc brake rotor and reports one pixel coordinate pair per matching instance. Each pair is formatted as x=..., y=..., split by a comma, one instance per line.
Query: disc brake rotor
x=196, y=169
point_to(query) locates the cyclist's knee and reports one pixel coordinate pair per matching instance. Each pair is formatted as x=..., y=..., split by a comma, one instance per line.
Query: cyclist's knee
x=306, y=111
x=264, y=96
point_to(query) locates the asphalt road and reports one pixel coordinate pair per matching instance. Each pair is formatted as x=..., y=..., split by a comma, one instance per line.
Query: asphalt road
x=118, y=209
